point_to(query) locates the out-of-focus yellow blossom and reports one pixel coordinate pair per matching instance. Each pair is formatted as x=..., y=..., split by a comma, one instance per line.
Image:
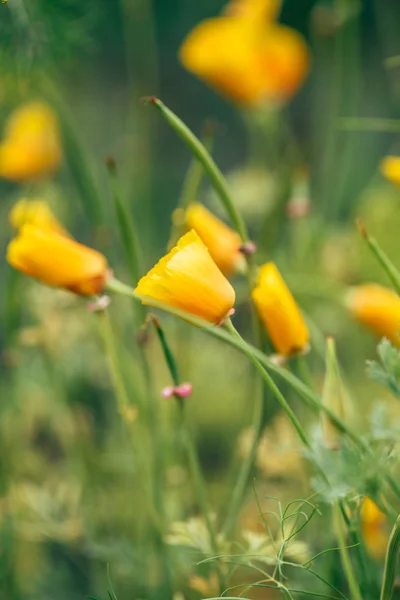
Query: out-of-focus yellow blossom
x=222, y=242
x=279, y=312
x=248, y=60
x=278, y=454
x=31, y=147
x=374, y=529
x=390, y=168
x=253, y=9
x=35, y=212
x=43, y=250
x=188, y=279
x=378, y=308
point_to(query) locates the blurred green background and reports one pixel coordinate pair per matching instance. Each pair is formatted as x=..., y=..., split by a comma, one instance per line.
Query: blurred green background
x=71, y=490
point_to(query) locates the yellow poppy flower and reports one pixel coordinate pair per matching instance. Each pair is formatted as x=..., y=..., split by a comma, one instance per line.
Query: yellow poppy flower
x=374, y=529
x=390, y=168
x=35, y=212
x=31, y=146
x=253, y=9
x=58, y=260
x=247, y=61
x=222, y=242
x=378, y=308
x=188, y=279
x=279, y=312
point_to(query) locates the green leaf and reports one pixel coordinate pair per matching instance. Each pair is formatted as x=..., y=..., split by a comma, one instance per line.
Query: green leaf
x=388, y=372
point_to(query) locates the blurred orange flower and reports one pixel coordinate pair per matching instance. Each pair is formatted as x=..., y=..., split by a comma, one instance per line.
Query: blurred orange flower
x=35, y=212
x=188, y=279
x=253, y=9
x=390, y=168
x=376, y=307
x=247, y=58
x=43, y=250
x=374, y=527
x=31, y=146
x=279, y=312
x=222, y=242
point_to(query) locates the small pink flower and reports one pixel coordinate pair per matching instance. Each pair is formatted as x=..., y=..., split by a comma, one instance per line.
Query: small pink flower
x=184, y=390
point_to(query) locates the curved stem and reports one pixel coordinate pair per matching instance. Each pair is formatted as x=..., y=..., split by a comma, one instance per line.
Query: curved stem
x=125, y=408
x=193, y=460
x=246, y=468
x=270, y=383
x=344, y=554
x=203, y=156
x=392, y=552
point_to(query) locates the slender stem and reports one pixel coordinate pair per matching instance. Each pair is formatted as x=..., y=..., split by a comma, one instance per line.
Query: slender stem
x=190, y=188
x=239, y=490
x=201, y=493
x=128, y=415
x=114, y=285
x=370, y=124
x=129, y=234
x=200, y=152
x=79, y=158
x=392, y=552
x=194, y=464
x=391, y=270
x=344, y=554
x=270, y=383
x=125, y=408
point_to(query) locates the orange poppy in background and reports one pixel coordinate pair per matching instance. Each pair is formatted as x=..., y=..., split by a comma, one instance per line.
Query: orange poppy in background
x=43, y=250
x=222, y=242
x=376, y=307
x=31, y=147
x=246, y=56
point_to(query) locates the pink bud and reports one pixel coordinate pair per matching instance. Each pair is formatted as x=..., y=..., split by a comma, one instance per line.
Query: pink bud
x=248, y=248
x=168, y=392
x=184, y=390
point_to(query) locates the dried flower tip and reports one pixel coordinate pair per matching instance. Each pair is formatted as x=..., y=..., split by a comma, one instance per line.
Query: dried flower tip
x=298, y=207
x=99, y=304
x=228, y=316
x=248, y=248
x=111, y=164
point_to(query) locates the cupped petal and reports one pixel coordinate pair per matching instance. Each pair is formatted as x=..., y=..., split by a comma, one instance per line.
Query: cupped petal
x=188, y=279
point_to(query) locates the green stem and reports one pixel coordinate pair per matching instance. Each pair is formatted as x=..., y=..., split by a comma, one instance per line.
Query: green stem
x=79, y=157
x=194, y=464
x=392, y=552
x=199, y=486
x=344, y=554
x=203, y=156
x=124, y=404
x=129, y=235
x=248, y=351
x=391, y=271
x=370, y=124
x=190, y=188
x=239, y=490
